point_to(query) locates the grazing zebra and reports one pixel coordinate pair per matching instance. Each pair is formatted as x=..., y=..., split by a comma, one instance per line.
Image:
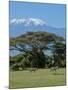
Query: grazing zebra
x=33, y=69
x=54, y=68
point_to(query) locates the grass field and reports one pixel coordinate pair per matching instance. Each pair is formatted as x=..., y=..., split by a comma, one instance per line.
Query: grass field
x=40, y=78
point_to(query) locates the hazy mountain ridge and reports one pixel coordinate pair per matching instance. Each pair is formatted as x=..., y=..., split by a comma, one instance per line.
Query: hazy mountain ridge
x=20, y=26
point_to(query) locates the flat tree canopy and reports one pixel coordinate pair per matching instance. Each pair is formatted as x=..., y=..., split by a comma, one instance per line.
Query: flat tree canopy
x=34, y=43
x=37, y=37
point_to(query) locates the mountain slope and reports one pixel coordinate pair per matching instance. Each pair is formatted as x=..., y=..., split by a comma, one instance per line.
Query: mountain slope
x=21, y=26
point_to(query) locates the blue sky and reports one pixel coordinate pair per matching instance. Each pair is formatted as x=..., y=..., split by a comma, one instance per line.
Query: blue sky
x=53, y=14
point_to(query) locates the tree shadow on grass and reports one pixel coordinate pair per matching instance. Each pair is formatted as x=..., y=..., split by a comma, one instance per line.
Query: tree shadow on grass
x=55, y=73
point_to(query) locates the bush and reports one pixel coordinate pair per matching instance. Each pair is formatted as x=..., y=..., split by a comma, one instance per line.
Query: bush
x=15, y=67
x=25, y=63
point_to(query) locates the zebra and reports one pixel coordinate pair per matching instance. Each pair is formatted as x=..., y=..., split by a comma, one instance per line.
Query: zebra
x=33, y=69
x=54, y=68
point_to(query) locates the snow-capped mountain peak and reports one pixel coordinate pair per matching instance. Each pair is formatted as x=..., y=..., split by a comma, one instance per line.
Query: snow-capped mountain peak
x=23, y=25
x=28, y=21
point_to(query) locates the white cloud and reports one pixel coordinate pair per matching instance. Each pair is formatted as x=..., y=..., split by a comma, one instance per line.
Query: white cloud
x=28, y=21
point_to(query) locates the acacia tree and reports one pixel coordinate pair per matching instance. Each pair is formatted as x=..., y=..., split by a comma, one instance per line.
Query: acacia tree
x=59, y=52
x=34, y=43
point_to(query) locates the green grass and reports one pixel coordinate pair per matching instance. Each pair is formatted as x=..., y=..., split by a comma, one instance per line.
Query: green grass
x=40, y=78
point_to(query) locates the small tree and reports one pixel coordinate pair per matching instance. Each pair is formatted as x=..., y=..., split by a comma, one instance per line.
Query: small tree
x=59, y=53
